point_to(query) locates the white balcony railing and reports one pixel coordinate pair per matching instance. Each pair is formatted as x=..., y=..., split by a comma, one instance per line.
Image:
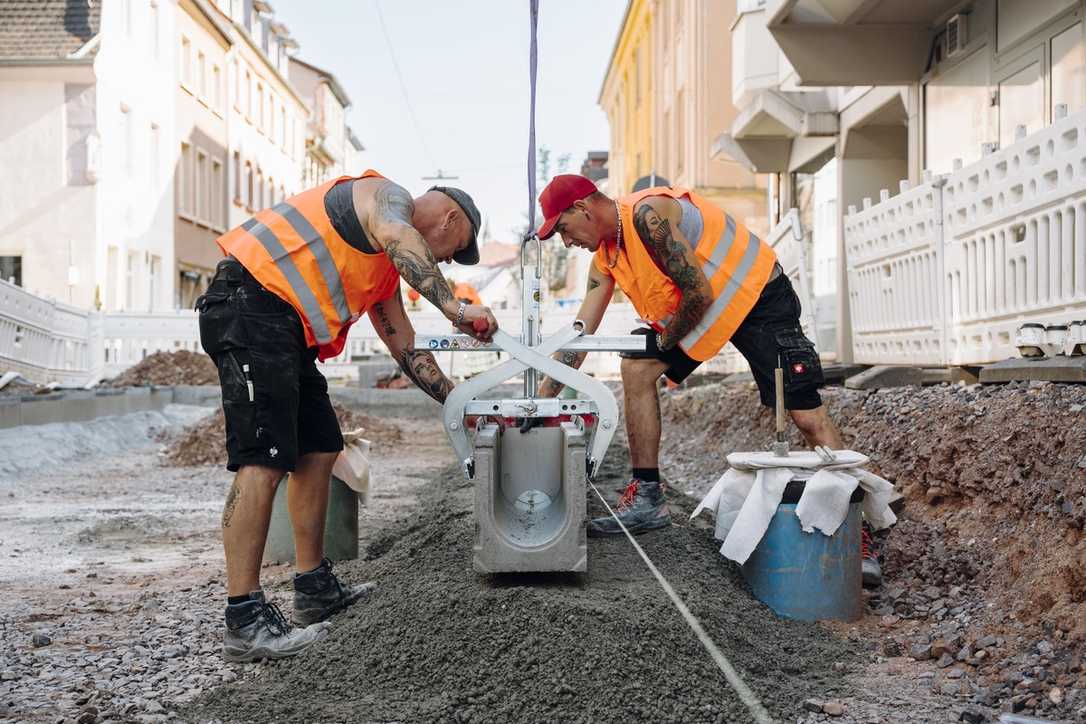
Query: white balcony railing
x=946, y=273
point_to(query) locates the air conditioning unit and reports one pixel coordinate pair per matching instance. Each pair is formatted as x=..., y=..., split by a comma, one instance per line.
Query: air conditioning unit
x=957, y=34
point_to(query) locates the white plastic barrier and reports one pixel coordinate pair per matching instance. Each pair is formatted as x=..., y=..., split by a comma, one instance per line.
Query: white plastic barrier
x=1015, y=242
x=895, y=267
x=947, y=272
x=42, y=339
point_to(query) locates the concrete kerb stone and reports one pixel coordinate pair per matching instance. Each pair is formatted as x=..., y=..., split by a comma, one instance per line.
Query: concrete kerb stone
x=1048, y=369
x=81, y=405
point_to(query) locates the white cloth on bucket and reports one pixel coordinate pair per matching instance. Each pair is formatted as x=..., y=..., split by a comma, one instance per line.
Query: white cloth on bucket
x=352, y=465
x=746, y=496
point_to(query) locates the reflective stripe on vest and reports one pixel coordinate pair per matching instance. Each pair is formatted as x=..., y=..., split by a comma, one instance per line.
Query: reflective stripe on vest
x=294, y=251
x=735, y=262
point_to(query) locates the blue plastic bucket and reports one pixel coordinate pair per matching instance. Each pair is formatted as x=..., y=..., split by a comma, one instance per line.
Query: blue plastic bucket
x=809, y=576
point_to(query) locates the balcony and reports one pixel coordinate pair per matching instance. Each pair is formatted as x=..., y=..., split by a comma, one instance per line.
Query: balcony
x=945, y=273
x=856, y=42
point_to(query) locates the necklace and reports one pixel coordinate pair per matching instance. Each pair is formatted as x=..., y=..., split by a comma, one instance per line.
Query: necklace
x=618, y=238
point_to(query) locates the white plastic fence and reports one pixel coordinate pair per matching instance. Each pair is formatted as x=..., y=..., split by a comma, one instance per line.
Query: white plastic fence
x=945, y=273
x=46, y=341
x=894, y=266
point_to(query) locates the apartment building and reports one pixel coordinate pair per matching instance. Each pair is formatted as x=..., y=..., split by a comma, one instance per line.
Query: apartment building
x=326, y=132
x=86, y=208
x=947, y=140
x=664, y=101
x=204, y=44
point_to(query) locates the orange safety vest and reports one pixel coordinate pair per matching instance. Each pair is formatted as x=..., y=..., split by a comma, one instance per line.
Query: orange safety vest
x=736, y=262
x=293, y=250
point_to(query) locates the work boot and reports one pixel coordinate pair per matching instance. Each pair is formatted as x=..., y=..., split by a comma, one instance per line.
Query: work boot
x=318, y=594
x=642, y=507
x=257, y=630
x=869, y=561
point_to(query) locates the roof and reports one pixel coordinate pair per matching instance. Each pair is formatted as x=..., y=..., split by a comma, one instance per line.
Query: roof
x=328, y=77
x=47, y=29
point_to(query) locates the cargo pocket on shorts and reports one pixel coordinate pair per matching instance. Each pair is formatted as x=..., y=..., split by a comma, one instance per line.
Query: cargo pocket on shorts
x=221, y=328
x=802, y=368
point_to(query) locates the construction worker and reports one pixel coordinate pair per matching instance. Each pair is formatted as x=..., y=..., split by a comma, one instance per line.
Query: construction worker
x=700, y=279
x=296, y=276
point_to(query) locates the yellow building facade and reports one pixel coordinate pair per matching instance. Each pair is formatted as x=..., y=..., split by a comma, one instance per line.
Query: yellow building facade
x=667, y=96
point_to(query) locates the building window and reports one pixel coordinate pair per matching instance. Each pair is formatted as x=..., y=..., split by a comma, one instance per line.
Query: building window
x=129, y=139
x=248, y=97
x=259, y=190
x=282, y=193
x=260, y=107
x=216, y=88
x=11, y=269
x=80, y=123
x=216, y=194
x=680, y=131
x=152, y=158
x=154, y=280
x=1069, y=70
x=237, y=86
x=271, y=118
x=131, y=280
x=201, y=75
x=186, y=62
x=185, y=185
x=248, y=186
x=237, y=178
x=201, y=186
x=637, y=78
x=1021, y=103
x=155, y=50
x=283, y=127
x=271, y=192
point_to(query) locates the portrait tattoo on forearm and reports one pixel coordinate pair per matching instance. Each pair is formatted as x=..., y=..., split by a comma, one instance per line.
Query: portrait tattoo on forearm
x=668, y=252
x=422, y=368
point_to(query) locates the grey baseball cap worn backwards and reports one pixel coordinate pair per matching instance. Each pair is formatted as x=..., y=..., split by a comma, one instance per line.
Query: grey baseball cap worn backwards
x=470, y=254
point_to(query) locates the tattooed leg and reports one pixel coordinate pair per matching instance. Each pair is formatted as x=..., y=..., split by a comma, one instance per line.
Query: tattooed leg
x=245, y=520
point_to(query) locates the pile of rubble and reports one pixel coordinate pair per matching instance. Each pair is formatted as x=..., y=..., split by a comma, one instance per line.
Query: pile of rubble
x=985, y=573
x=169, y=368
x=205, y=442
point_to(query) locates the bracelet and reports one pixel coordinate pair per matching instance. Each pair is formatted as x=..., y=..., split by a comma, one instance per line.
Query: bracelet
x=460, y=314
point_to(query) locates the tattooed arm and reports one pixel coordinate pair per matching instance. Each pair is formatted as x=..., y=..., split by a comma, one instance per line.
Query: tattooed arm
x=395, y=330
x=596, y=298
x=656, y=219
x=390, y=220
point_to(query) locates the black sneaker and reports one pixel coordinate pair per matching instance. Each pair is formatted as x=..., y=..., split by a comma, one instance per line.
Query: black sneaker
x=642, y=507
x=257, y=630
x=318, y=594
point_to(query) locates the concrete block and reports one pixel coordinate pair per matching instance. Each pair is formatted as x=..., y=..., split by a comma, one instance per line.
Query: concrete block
x=340, y=525
x=530, y=500
x=411, y=402
x=837, y=372
x=10, y=412
x=202, y=395
x=370, y=370
x=885, y=376
x=1044, y=369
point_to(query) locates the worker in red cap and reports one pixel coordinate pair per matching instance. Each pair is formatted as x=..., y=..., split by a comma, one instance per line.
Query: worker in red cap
x=700, y=279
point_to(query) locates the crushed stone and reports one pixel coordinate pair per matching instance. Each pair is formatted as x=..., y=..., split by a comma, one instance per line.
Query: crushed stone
x=990, y=545
x=441, y=643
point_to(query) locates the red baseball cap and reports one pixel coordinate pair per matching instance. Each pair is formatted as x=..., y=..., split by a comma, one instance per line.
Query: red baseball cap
x=559, y=195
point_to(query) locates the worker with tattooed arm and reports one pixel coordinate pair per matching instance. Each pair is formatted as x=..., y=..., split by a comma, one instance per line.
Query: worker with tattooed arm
x=295, y=277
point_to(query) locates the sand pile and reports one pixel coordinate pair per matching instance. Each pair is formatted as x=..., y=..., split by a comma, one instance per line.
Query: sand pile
x=441, y=643
x=205, y=442
x=169, y=368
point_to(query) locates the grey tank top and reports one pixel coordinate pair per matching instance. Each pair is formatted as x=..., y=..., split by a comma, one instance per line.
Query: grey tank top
x=692, y=224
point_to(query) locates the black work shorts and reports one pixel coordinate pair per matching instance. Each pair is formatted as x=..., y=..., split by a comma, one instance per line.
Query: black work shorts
x=770, y=332
x=274, y=398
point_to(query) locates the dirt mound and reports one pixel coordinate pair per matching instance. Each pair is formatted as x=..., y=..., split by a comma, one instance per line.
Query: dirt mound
x=991, y=543
x=205, y=442
x=169, y=368
x=441, y=643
